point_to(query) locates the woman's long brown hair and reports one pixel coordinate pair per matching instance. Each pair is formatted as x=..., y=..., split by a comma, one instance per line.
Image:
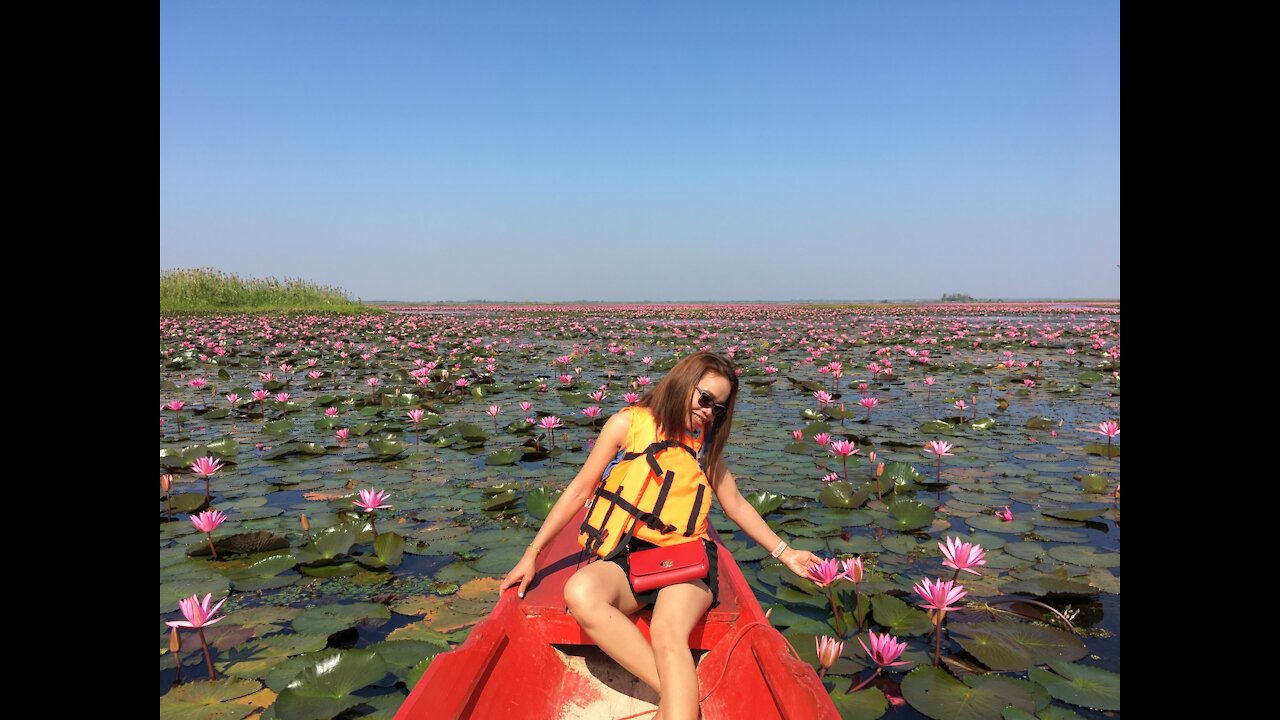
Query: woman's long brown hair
x=669, y=402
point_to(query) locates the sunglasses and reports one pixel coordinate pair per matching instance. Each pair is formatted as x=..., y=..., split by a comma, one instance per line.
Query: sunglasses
x=707, y=400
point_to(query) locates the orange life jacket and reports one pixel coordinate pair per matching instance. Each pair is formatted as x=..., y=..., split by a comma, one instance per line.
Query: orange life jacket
x=657, y=493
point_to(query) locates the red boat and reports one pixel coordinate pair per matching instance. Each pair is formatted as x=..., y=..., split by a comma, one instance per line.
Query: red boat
x=530, y=659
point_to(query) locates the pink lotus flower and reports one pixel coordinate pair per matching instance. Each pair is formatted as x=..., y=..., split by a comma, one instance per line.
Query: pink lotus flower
x=1029, y=382
x=598, y=395
x=175, y=405
x=829, y=650
x=843, y=448
x=260, y=394
x=208, y=521
x=961, y=406
x=769, y=370
x=825, y=572
x=884, y=650
x=416, y=415
x=315, y=374
x=198, y=614
x=852, y=570
x=929, y=381
x=525, y=406
x=830, y=477
x=343, y=433
x=566, y=379
x=198, y=383
x=939, y=447
x=372, y=382
x=462, y=382
x=630, y=397
x=493, y=410
x=1005, y=515
x=823, y=397
x=232, y=399
x=331, y=412
x=643, y=380
x=592, y=412
x=550, y=422
x=206, y=466
x=821, y=438
x=962, y=555
x=868, y=402
x=797, y=435
x=1109, y=428
x=371, y=500
x=282, y=398
x=940, y=594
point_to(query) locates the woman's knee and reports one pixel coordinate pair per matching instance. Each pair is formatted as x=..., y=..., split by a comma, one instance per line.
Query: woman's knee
x=580, y=594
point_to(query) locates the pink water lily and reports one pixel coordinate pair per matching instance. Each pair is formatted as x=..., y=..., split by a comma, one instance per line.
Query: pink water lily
x=282, y=398
x=416, y=415
x=962, y=555
x=821, y=438
x=592, y=412
x=208, y=521
x=343, y=433
x=260, y=394
x=940, y=448
x=525, y=406
x=939, y=595
x=206, y=466
x=175, y=405
x=232, y=399
x=1005, y=515
x=797, y=435
x=829, y=650
x=823, y=397
x=331, y=412
x=884, y=650
x=198, y=614
x=371, y=500
x=868, y=403
x=843, y=448
x=825, y=572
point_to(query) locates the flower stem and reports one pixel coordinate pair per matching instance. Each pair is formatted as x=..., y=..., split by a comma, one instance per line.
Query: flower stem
x=374, y=526
x=213, y=675
x=857, y=600
x=937, y=638
x=831, y=593
x=864, y=683
x=212, y=549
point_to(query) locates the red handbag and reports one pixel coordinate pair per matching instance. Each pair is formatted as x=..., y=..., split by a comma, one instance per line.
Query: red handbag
x=662, y=566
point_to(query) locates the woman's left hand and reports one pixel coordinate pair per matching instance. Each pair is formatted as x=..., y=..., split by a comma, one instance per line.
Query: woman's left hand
x=798, y=560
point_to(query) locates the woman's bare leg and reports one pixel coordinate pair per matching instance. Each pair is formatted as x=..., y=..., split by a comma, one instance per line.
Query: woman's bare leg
x=678, y=609
x=600, y=599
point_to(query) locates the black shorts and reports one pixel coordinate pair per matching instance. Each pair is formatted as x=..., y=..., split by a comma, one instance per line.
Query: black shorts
x=651, y=597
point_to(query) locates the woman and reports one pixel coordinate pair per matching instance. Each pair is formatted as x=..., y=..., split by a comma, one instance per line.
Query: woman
x=694, y=405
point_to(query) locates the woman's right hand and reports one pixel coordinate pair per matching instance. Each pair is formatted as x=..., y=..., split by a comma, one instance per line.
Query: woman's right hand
x=522, y=574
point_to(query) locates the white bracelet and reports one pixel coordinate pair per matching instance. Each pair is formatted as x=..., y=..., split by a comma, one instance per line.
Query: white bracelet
x=782, y=547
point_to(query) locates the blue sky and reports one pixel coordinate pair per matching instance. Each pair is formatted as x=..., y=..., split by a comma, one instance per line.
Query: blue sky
x=633, y=151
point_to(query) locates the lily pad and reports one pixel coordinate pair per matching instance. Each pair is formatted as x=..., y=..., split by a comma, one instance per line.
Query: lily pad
x=1049, y=585
x=937, y=694
x=508, y=456
x=1016, y=646
x=328, y=619
x=540, y=500
x=324, y=689
x=764, y=502
x=900, y=618
x=390, y=548
x=208, y=700
x=1084, y=556
x=866, y=704
x=907, y=515
x=1081, y=685
x=501, y=500
x=841, y=494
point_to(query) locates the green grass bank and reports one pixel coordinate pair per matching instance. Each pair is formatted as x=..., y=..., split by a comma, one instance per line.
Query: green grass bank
x=187, y=291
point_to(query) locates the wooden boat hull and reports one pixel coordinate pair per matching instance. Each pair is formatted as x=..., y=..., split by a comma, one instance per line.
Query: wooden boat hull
x=508, y=669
